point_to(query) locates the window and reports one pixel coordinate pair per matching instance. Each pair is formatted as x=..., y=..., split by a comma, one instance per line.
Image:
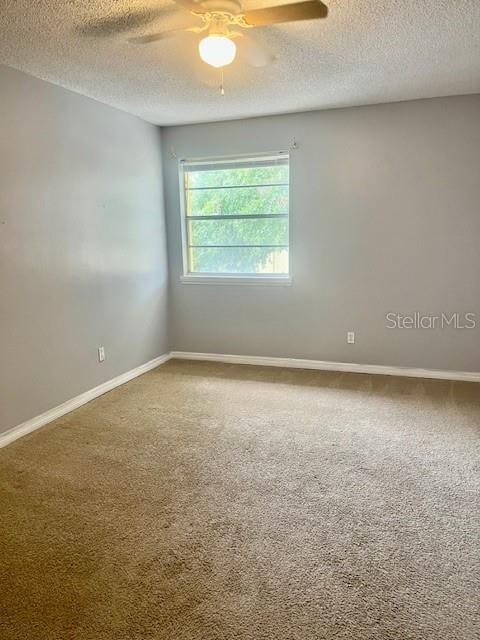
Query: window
x=235, y=218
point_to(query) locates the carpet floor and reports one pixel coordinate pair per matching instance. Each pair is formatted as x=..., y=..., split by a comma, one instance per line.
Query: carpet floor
x=205, y=501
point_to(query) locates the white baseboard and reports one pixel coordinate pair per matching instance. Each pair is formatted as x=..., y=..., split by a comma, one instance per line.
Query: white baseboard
x=57, y=412
x=295, y=363
x=323, y=365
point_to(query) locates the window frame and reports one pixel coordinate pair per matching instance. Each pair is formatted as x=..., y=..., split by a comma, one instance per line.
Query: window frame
x=188, y=277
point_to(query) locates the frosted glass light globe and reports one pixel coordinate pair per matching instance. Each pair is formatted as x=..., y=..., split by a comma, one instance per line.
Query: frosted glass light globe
x=217, y=50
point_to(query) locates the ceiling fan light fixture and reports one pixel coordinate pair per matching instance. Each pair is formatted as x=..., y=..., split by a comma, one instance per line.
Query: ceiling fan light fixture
x=217, y=50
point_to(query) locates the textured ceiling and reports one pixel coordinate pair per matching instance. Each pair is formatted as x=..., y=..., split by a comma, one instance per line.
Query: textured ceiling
x=366, y=51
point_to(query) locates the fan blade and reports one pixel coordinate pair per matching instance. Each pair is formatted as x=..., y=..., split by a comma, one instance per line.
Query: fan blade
x=154, y=37
x=191, y=5
x=252, y=52
x=106, y=27
x=309, y=10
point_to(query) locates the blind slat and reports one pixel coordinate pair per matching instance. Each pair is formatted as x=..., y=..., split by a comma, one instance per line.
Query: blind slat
x=238, y=246
x=260, y=185
x=246, y=216
x=220, y=165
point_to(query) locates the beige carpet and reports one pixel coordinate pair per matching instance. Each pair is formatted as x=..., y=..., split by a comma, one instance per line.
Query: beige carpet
x=206, y=501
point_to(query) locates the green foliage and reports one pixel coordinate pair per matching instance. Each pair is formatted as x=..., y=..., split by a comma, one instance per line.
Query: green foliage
x=238, y=201
x=237, y=177
x=264, y=231
x=211, y=240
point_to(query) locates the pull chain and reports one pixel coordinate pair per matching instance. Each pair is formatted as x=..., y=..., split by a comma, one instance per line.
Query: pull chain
x=222, y=88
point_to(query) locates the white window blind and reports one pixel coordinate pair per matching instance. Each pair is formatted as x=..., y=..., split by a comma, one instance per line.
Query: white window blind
x=236, y=216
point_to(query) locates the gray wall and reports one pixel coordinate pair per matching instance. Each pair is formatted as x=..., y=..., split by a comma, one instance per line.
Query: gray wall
x=384, y=217
x=82, y=245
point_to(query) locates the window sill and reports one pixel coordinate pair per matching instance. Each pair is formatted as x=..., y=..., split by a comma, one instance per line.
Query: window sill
x=235, y=280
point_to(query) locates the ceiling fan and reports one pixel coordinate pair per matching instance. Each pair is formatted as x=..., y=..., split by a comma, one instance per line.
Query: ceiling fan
x=223, y=21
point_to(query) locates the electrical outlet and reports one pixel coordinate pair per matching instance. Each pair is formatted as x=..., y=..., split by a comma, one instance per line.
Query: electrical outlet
x=351, y=337
x=101, y=354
